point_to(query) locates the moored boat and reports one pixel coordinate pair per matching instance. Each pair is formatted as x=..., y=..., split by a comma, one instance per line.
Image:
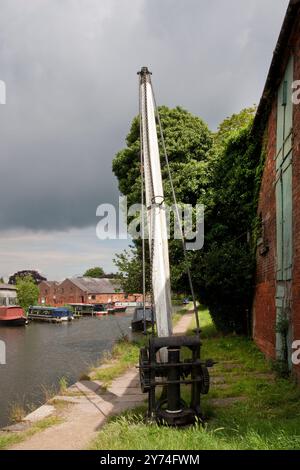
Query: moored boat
x=119, y=308
x=100, y=309
x=50, y=314
x=140, y=319
x=81, y=309
x=12, y=316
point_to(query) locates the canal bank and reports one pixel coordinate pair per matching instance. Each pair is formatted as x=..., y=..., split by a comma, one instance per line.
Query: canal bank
x=39, y=355
x=85, y=407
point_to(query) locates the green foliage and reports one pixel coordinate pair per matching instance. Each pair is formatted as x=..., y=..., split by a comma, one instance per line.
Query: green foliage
x=63, y=385
x=188, y=142
x=27, y=292
x=1, y=280
x=224, y=270
x=94, y=273
x=129, y=264
x=222, y=171
x=224, y=282
x=232, y=124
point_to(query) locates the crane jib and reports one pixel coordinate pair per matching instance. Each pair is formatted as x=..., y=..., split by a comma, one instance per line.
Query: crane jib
x=156, y=215
x=163, y=364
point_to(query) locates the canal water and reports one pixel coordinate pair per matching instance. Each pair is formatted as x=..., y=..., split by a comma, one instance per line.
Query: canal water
x=38, y=355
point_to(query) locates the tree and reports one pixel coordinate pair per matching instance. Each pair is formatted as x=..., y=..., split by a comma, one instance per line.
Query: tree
x=232, y=124
x=1, y=280
x=27, y=292
x=224, y=175
x=188, y=144
x=224, y=270
x=96, y=273
x=35, y=275
x=129, y=264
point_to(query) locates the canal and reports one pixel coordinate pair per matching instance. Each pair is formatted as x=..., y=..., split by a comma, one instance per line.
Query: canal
x=40, y=354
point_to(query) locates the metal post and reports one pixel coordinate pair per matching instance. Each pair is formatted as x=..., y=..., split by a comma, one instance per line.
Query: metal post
x=173, y=390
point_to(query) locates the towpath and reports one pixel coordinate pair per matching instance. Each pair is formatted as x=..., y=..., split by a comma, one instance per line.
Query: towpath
x=86, y=407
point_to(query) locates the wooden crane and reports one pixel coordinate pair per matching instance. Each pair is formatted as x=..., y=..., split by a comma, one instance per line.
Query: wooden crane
x=161, y=363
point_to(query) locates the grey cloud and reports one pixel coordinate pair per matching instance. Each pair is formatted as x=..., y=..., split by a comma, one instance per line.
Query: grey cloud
x=70, y=69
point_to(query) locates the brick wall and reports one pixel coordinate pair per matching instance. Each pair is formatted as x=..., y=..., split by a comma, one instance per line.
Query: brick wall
x=66, y=292
x=264, y=311
x=60, y=294
x=47, y=293
x=265, y=292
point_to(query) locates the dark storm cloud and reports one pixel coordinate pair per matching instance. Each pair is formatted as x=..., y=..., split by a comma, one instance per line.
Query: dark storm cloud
x=70, y=70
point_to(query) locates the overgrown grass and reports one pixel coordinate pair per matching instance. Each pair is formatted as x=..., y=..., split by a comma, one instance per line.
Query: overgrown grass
x=8, y=439
x=63, y=385
x=124, y=355
x=268, y=417
x=17, y=413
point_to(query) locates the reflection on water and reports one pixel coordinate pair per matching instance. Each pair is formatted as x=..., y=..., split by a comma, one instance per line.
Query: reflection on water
x=38, y=355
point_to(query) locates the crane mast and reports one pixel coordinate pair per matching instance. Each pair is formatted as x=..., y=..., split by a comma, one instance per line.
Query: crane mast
x=156, y=211
x=163, y=364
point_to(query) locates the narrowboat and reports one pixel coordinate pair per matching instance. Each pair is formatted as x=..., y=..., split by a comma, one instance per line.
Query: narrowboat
x=12, y=316
x=119, y=308
x=100, y=309
x=138, y=322
x=110, y=308
x=81, y=309
x=50, y=314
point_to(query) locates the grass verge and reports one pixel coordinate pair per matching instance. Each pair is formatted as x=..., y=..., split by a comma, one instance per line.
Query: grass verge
x=8, y=439
x=125, y=354
x=248, y=407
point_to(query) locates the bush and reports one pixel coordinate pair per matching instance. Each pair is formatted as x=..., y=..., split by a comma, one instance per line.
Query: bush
x=228, y=274
x=226, y=266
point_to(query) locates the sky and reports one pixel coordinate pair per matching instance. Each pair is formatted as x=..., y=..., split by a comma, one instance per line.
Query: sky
x=71, y=92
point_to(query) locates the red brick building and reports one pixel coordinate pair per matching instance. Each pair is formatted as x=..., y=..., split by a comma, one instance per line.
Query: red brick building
x=83, y=290
x=276, y=308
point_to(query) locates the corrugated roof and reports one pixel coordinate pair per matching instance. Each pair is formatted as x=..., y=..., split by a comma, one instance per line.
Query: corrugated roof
x=96, y=286
x=7, y=287
x=50, y=283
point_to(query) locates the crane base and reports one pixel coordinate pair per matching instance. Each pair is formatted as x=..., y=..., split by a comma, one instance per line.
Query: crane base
x=184, y=417
x=170, y=409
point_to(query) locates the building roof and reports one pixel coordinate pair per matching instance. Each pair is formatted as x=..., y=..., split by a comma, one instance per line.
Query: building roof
x=7, y=287
x=275, y=71
x=96, y=286
x=50, y=283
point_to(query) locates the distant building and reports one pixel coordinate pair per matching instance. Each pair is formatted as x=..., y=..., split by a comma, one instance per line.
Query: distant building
x=276, y=308
x=8, y=295
x=84, y=290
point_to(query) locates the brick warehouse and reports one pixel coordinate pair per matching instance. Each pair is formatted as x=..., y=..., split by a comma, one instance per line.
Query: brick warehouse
x=276, y=307
x=83, y=290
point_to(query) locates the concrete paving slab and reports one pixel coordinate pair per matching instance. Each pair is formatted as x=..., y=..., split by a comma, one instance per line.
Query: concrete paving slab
x=87, y=386
x=131, y=398
x=40, y=413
